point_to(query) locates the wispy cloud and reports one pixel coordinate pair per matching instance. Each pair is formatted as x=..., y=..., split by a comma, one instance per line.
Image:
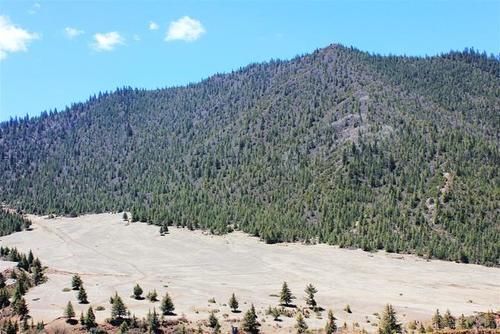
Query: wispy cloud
x=185, y=29
x=13, y=38
x=72, y=32
x=107, y=41
x=153, y=26
x=34, y=9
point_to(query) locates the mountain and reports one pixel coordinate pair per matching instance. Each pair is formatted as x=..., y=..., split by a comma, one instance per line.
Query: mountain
x=339, y=146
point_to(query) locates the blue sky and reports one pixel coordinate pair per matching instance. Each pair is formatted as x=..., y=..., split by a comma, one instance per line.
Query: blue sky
x=53, y=53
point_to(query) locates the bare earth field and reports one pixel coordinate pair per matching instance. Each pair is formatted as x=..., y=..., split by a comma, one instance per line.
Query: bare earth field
x=193, y=267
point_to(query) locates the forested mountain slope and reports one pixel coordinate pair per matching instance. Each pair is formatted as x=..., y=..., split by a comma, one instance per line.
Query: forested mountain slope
x=339, y=146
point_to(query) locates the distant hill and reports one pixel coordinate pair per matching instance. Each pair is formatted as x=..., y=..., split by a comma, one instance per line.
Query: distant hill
x=338, y=146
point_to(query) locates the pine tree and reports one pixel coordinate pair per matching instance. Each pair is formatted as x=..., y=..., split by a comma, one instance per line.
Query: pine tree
x=90, y=319
x=125, y=216
x=301, y=324
x=449, y=320
x=21, y=308
x=213, y=322
x=250, y=324
x=233, y=303
x=118, y=308
x=76, y=282
x=137, y=291
x=2, y=281
x=4, y=298
x=123, y=328
x=286, y=295
x=489, y=320
x=69, y=311
x=152, y=296
x=462, y=322
x=437, y=320
x=389, y=322
x=153, y=322
x=82, y=295
x=167, y=306
x=310, y=291
x=331, y=326
x=82, y=319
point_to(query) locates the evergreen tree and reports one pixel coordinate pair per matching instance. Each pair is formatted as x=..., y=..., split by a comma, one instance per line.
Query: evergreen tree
x=125, y=216
x=213, y=322
x=82, y=295
x=449, y=320
x=167, y=305
x=233, y=303
x=21, y=308
x=437, y=320
x=250, y=323
x=4, y=298
x=76, y=282
x=153, y=322
x=331, y=326
x=301, y=324
x=82, y=319
x=123, y=328
x=462, y=322
x=286, y=295
x=137, y=291
x=118, y=308
x=2, y=281
x=90, y=319
x=310, y=291
x=69, y=311
x=389, y=322
x=152, y=296
x=489, y=320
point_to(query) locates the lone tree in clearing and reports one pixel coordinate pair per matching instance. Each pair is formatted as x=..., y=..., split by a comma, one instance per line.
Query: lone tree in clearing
x=152, y=296
x=69, y=311
x=233, y=303
x=118, y=309
x=250, y=324
x=167, y=306
x=82, y=295
x=331, y=326
x=301, y=324
x=76, y=282
x=310, y=291
x=125, y=216
x=137, y=291
x=286, y=295
x=388, y=322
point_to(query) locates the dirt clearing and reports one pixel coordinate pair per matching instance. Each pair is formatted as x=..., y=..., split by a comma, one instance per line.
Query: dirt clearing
x=111, y=255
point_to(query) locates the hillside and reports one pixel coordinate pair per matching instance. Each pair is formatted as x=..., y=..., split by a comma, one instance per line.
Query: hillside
x=339, y=146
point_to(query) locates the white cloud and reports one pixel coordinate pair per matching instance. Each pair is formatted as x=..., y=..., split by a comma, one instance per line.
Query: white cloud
x=72, y=32
x=185, y=29
x=13, y=38
x=107, y=41
x=153, y=26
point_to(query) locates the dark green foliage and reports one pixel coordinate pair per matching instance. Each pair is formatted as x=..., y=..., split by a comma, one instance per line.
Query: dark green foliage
x=153, y=322
x=152, y=296
x=9, y=327
x=76, y=282
x=286, y=296
x=4, y=298
x=137, y=291
x=82, y=295
x=11, y=222
x=301, y=324
x=90, y=319
x=388, y=322
x=338, y=146
x=69, y=311
x=20, y=307
x=250, y=323
x=2, y=281
x=233, y=303
x=310, y=291
x=437, y=320
x=118, y=308
x=167, y=305
x=449, y=320
x=213, y=323
x=331, y=326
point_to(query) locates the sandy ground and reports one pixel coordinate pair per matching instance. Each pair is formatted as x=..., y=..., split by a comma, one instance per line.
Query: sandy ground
x=193, y=267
